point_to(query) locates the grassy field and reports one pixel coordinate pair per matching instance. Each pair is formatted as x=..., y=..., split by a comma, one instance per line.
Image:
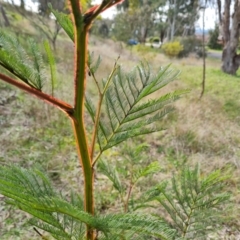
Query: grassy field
x=204, y=131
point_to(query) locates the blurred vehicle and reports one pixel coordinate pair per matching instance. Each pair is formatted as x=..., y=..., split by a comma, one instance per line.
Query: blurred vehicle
x=132, y=42
x=153, y=42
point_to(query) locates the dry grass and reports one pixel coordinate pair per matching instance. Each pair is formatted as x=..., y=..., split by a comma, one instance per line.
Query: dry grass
x=201, y=131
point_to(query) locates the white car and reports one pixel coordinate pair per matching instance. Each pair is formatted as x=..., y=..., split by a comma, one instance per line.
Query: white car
x=154, y=44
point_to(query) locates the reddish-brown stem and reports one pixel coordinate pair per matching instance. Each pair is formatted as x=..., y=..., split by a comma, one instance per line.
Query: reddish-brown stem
x=65, y=107
x=128, y=197
x=93, y=12
x=129, y=192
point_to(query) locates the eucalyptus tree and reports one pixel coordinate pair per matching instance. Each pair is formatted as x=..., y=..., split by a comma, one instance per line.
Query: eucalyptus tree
x=181, y=17
x=44, y=9
x=49, y=28
x=167, y=17
x=228, y=18
x=22, y=4
x=137, y=18
x=230, y=34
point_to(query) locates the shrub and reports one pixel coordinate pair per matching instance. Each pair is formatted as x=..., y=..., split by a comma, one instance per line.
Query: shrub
x=213, y=42
x=199, y=52
x=172, y=49
x=190, y=45
x=154, y=40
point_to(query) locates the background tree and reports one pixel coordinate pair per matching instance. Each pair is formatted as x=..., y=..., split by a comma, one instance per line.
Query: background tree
x=230, y=34
x=165, y=18
x=137, y=19
x=124, y=27
x=4, y=16
x=181, y=17
x=57, y=4
x=213, y=42
x=49, y=28
x=22, y=4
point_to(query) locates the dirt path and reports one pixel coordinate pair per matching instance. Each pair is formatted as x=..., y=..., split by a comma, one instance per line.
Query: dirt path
x=214, y=54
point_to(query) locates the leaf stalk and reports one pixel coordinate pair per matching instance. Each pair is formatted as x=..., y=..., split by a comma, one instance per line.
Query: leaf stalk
x=65, y=107
x=96, y=123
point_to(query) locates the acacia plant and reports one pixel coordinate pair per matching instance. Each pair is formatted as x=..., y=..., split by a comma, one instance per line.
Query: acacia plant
x=121, y=113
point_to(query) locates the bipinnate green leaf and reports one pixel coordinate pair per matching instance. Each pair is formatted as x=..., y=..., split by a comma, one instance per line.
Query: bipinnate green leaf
x=194, y=202
x=150, y=169
x=65, y=21
x=131, y=109
x=92, y=64
x=31, y=192
x=52, y=65
x=138, y=225
x=109, y=171
x=27, y=65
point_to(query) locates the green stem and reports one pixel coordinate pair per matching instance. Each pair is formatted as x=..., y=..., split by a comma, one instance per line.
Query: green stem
x=79, y=126
x=99, y=110
x=81, y=38
x=96, y=125
x=187, y=224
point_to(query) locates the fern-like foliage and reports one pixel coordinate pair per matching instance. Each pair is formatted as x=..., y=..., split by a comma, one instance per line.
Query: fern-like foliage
x=112, y=174
x=193, y=202
x=137, y=226
x=65, y=21
x=52, y=65
x=32, y=192
x=27, y=65
x=136, y=174
x=126, y=174
x=129, y=110
x=93, y=65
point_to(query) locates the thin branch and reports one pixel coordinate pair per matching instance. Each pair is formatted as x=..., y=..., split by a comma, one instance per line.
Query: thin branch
x=11, y=70
x=37, y=232
x=65, y=107
x=95, y=80
x=93, y=12
x=99, y=108
x=96, y=125
x=128, y=197
x=96, y=159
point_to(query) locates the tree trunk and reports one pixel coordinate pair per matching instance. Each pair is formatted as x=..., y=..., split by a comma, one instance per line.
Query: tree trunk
x=6, y=21
x=173, y=20
x=219, y=4
x=203, y=51
x=230, y=58
x=22, y=5
x=226, y=21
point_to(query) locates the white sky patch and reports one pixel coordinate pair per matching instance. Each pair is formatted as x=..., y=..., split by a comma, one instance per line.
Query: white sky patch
x=210, y=13
x=211, y=17
x=29, y=4
x=109, y=13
